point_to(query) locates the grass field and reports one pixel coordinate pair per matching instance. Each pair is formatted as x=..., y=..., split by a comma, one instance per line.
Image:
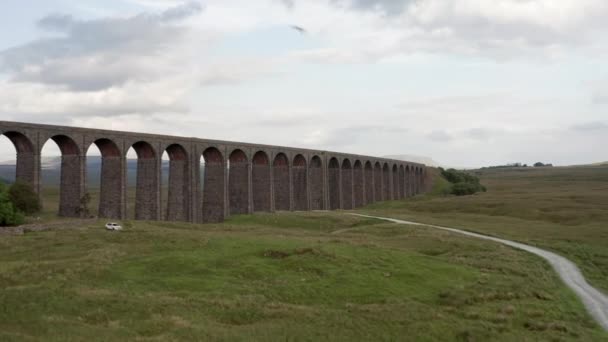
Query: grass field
x=561, y=209
x=320, y=276
x=50, y=196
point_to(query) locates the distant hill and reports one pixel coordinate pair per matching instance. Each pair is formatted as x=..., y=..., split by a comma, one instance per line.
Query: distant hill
x=414, y=158
x=51, y=170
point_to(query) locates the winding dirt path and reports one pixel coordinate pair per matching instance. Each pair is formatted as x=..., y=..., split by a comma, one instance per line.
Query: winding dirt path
x=595, y=301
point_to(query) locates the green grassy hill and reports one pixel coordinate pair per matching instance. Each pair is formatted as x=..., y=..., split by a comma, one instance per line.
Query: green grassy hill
x=321, y=276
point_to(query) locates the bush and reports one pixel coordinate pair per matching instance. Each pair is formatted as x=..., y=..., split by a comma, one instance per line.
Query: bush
x=24, y=198
x=462, y=183
x=463, y=189
x=9, y=215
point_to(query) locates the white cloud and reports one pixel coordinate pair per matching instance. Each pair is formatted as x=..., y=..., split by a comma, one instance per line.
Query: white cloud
x=501, y=29
x=16, y=100
x=167, y=71
x=600, y=92
x=101, y=53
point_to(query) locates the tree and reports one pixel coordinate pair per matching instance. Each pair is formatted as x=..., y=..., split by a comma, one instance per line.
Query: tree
x=538, y=164
x=9, y=215
x=24, y=198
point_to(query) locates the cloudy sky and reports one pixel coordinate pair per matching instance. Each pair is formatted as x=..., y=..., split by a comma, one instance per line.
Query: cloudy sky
x=465, y=82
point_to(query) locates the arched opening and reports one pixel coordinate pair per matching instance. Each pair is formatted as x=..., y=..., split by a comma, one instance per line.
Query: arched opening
x=280, y=169
x=238, y=183
x=213, y=185
x=178, y=193
x=300, y=195
x=358, y=184
x=260, y=175
x=316, y=183
x=401, y=182
x=105, y=178
x=146, y=172
x=386, y=182
x=333, y=173
x=165, y=161
x=24, y=166
x=7, y=160
x=395, y=178
x=69, y=181
x=369, y=183
x=378, y=182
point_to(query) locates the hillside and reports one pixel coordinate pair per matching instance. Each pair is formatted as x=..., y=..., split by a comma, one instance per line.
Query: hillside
x=323, y=276
x=51, y=170
x=414, y=158
x=288, y=276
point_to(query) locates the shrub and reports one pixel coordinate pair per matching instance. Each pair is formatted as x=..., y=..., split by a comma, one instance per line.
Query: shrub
x=83, y=209
x=24, y=198
x=462, y=189
x=462, y=183
x=9, y=216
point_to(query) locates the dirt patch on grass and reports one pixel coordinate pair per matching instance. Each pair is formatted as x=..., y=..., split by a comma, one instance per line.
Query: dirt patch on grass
x=277, y=254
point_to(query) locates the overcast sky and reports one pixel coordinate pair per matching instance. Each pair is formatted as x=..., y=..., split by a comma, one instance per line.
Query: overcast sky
x=465, y=82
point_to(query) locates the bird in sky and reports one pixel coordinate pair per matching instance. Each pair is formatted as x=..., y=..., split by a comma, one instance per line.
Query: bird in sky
x=300, y=29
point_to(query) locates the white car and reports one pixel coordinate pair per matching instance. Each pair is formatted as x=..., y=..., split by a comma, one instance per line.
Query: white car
x=113, y=226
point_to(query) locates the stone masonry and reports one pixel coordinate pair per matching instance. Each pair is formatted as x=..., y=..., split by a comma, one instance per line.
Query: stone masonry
x=237, y=178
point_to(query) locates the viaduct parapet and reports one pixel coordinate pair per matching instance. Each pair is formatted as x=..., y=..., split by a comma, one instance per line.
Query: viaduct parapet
x=238, y=178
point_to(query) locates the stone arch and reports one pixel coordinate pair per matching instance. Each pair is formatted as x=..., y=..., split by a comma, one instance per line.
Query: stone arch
x=333, y=172
x=358, y=184
x=179, y=190
x=147, y=188
x=111, y=183
x=417, y=181
x=66, y=145
x=315, y=174
x=213, y=185
x=347, y=184
x=395, y=182
x=378, y=182
x=414, y=180
x=401, y=182
x=25, y=170
x=369, y=183
x=22, y=143
x=386, y=182
x=408, y=181
x=71, y=186
x=423, y=179
x=300, y=186
x=260, y=175
x=238, y=182
x=280, y=169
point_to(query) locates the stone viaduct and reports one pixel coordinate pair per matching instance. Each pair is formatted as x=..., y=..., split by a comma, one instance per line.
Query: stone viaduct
x=238, y=178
